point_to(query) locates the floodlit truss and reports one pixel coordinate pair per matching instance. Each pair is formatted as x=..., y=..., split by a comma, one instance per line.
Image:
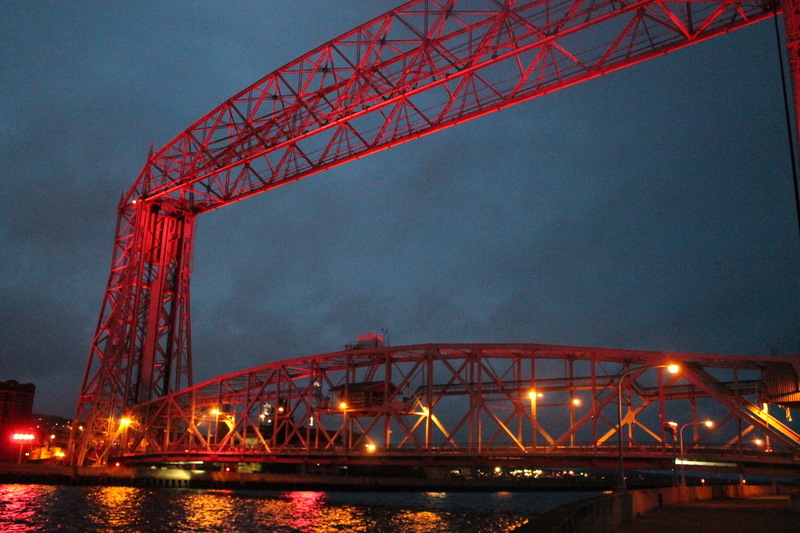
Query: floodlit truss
x=419, y=68
x=518, y=405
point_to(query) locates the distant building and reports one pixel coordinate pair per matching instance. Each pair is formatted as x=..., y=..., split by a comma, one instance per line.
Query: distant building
x=16, y=410
x=367, y=340
x=52, y=437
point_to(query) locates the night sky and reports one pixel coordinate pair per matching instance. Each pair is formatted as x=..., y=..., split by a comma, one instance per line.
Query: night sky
x=649, y=209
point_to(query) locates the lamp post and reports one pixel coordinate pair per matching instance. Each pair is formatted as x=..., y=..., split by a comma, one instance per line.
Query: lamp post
x=345, y=433
x=124, y=424
x=533, y=395
x=22, y=438
x=673, y=369
x=707, y=423
x=427, y=414
x=573, y=403
x=214, y=412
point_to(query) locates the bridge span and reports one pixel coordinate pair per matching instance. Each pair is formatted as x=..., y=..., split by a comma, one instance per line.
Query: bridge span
x=418, y=69
x=462, y=405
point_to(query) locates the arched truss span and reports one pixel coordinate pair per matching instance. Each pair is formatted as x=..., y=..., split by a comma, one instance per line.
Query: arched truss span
x=512, y=404
x=422, y=67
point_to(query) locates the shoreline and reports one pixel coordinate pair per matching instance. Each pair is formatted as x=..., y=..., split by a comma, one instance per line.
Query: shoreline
x=203, y=479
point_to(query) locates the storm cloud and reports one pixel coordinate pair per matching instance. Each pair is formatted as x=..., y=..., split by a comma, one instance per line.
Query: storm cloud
x=648, y=209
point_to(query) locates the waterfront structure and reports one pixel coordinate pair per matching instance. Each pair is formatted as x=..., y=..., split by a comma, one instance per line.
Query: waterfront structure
x=451, y=406
x=418, y=69
x=16, y=409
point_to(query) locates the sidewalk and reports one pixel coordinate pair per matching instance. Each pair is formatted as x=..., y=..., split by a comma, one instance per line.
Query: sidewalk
x=766, y=514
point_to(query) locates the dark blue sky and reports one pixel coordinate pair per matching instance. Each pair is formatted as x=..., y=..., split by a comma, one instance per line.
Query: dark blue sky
x=649, y=209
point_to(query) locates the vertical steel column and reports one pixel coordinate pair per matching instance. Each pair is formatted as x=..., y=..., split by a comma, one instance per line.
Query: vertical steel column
x=141, y=349
x=791, y=29
x=533, y=393
x=518, y=405
x=791, y=25
x=163, y=340
x=387, y=411
x=569, y=371
x=595, y=400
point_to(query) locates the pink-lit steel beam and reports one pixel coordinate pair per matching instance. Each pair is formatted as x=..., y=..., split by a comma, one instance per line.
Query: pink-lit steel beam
x=415, y=70
x=473, y=404
x=421, y=67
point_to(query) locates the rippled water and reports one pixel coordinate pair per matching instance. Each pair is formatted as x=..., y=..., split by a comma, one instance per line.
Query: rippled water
x=29, y=508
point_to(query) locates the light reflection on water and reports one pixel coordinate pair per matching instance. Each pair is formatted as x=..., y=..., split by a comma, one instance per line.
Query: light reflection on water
x=22, y=503
x=113, y=508
x=42, y=508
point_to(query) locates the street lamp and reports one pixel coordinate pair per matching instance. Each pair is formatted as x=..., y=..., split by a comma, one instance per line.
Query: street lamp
x=672, y=369
x=345, y=433
x=214, y=412
x=427, y=414
x=707, y=423
x=533, y=395
x=22, y=438
x=122, y=433
x=574, y=403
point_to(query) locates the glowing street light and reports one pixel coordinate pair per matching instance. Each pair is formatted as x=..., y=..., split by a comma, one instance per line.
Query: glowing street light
x=214, y=412
x=426, y=413
x=22, y=438
x=534, y=395
x=573, y=404
x=708, y=424
x=122, y=433
x=345, y=433
x=672, y=369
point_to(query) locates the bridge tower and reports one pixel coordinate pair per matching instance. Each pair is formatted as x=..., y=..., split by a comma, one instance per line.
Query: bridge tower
x=420, y=68
x=141, y=349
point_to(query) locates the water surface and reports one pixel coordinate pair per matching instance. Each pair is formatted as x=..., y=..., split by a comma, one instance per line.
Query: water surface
x=44, y=508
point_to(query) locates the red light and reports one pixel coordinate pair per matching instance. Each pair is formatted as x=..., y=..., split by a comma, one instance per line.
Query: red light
x=22, y=437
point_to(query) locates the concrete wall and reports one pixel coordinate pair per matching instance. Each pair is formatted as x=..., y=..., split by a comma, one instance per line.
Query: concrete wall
x=600, y=514
x=649, y=499
x=604, y=514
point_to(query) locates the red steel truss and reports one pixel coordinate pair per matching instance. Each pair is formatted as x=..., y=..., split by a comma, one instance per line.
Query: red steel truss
x=422, y=67
x=458, y=405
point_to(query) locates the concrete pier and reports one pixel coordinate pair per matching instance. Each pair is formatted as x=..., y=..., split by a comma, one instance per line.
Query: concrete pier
x=763, y=514
x=723, y=509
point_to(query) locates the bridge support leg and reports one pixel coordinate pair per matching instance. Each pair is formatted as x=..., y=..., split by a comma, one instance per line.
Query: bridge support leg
x=141, y=350
x=791, y=29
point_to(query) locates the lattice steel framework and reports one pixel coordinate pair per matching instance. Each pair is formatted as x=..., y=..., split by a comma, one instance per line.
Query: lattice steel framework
x=522, y=405
x=422, y=67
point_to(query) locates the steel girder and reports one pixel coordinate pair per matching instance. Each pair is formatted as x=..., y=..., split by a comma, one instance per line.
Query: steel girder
x=141, y=348
x=422, y=67
x=520, y=404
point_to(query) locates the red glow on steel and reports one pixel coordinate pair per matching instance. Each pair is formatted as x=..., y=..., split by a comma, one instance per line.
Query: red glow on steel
x=420, y=68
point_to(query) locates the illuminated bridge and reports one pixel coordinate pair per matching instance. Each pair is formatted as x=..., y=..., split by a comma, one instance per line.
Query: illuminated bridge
x=420, y=68
x=480, y=405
